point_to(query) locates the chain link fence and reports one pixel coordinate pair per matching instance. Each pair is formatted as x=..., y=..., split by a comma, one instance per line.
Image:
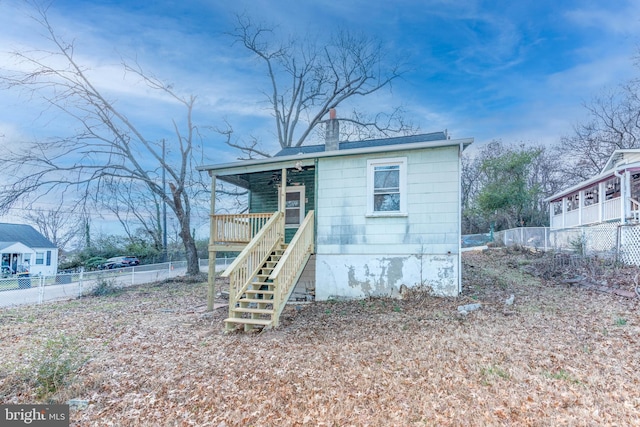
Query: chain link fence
x=609, y=240
x=24, y=289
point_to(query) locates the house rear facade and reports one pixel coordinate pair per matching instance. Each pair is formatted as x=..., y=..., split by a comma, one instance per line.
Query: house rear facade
x=366, y=218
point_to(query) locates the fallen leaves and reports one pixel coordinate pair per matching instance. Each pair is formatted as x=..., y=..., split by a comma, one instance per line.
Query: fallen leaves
x=558, y=355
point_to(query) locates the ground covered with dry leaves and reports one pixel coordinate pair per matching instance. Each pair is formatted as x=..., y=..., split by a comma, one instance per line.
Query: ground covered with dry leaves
x=151, y=356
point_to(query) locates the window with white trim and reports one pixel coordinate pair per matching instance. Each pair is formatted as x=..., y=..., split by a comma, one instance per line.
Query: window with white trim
x=387, y=186
x=39, y=258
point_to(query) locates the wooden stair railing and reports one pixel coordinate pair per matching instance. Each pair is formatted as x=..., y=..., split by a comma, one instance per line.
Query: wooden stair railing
x=261, y=300
x=290, y=266
x=243, y=271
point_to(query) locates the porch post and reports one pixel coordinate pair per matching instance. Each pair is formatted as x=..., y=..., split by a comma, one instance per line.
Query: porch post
x=601, y=196
x=580, y=200
x=623, y=196
x=211, y=289
x=283, y=190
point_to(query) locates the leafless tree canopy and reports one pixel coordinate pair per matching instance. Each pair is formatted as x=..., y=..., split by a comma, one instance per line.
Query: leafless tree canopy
x=613, y=123
x=59, y=225
x=108, y=150
x=306, y=79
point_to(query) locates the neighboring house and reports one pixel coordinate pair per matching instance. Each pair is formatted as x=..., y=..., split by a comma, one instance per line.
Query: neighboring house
x=341, y=220
x=610, y=197
x=23, y=248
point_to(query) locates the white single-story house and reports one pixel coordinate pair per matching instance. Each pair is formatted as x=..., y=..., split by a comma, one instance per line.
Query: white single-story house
x=611, y=196
x=23, y=249
x=341, y=220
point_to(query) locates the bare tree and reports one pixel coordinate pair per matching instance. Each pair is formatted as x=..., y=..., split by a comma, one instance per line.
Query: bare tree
x=306, y=80
x=107, y=149
x=613, y=123
x=137, y=210
x=59, y=225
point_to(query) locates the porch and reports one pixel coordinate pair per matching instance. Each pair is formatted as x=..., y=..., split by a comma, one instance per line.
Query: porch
x=274, y=246
x=612, y=200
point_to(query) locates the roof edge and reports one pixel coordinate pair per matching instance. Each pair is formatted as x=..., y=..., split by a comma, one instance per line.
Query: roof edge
x=227, y=167
x=589, y=182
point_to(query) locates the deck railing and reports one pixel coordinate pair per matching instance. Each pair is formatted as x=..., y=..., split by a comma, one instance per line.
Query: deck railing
x=611, y=209
x=290, y=266
x=246, y=266
x=239, y=228
x=635, y=209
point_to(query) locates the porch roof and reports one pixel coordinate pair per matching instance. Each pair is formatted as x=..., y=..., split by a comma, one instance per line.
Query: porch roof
x=14, y=247
x=304, y=156
x=616, y=163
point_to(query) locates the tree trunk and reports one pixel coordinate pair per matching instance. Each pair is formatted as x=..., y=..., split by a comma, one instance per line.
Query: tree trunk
x=193, y=264
x=184, y=217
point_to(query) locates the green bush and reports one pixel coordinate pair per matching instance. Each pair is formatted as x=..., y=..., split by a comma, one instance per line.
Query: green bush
x=104, y=287
x=55, y=365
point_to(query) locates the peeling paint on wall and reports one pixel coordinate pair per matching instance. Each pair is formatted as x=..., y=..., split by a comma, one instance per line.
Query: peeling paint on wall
x=361, y=276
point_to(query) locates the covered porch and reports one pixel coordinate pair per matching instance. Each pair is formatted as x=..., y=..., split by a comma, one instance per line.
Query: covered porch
x=612, y=198
x=276, y=239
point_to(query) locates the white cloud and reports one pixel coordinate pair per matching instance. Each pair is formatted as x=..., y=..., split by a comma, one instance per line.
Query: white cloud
x=623, y=20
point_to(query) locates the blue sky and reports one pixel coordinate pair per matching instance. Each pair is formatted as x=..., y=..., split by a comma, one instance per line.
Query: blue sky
x=517, y=71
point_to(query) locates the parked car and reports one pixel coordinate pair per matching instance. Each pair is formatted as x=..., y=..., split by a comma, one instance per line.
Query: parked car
x=131, y=261
x=119, y=262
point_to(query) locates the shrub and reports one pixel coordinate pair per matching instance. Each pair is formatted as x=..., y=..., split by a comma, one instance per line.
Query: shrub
x=104, y=287
x=55, y=365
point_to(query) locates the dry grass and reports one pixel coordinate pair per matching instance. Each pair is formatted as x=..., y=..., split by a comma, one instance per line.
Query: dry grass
x=557, y=356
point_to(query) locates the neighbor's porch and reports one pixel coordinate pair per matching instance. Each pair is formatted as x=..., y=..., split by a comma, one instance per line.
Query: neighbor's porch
x=613, y=199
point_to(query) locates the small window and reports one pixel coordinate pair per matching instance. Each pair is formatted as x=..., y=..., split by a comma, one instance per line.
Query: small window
x=48, y=257
x=386, y=186
x=39, y=258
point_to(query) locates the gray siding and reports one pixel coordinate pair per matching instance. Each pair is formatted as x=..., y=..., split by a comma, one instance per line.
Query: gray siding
x=431, y=225
x=362, y=255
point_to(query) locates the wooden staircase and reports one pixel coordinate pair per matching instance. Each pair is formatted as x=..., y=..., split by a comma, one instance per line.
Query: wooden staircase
x=255, y=308
x=263, y=276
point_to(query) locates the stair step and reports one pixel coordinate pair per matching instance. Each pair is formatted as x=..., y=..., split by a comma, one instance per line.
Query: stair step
x=262, y=322
x=252, y=310
x=256, y=301
x=258, y=291
x=260, y=284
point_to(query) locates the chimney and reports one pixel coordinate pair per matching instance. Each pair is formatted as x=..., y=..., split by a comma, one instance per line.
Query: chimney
x=333, y=132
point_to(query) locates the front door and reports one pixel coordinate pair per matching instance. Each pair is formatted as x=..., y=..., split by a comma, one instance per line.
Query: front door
x=294, y=206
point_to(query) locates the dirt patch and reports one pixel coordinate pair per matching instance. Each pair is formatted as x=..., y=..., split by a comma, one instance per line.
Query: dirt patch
x=152, y=356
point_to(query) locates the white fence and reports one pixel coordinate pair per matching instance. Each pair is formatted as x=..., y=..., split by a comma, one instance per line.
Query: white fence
x=610, y=240
x=37, y=289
